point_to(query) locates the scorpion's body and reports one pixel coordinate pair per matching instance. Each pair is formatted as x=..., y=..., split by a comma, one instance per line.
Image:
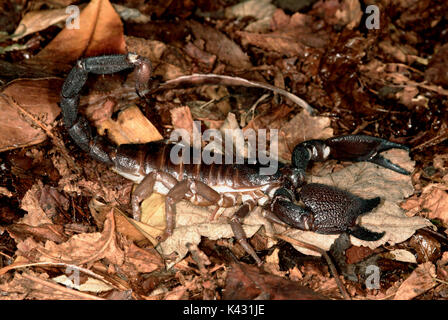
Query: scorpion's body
x=322, y=209
x=235, y=182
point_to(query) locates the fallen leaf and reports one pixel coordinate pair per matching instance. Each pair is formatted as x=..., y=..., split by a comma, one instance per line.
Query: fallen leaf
x=426, y=247
x=131, y=126
x=100, y=32
x=90, y=285
x=22, y=113
x=193, y=222
x=349, y=14
x=420, y=281
x=258, y=9
x=436, y=202
x=432, y=202
x=181, y=119
x=292, y=36
x=142, y=260
x=35, y=216
x=434, y=73
x=401, y=255
x=356, y=254
x=261, y=10
x=30, y=285
x=220, y=45
x=246, y=282
x=79, y=249
x=20, y=231
x=35, y=21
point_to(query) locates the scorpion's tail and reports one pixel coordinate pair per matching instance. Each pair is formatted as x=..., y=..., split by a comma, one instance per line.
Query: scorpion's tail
x=78, y=127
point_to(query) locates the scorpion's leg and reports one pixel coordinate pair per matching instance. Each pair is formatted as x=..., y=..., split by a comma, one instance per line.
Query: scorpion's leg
x=238, y=231
x=200, y=193
x=347, y=148
x=194, y=190
x=145, y=188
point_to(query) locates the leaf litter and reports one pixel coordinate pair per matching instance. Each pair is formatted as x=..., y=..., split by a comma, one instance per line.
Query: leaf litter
x=118, y=241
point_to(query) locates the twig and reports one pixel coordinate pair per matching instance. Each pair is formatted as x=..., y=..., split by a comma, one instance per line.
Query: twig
x=78, y=294
x=58, y=264
x=207, y=79
x=433, y=141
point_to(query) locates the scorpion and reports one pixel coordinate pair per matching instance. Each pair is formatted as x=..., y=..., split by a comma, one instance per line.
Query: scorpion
x=285, y=196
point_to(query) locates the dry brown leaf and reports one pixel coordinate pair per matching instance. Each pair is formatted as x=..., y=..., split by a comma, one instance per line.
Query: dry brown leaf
x=35, y=21
x=41, y=233
x=151, y=49
x=434, y=73
x=258, y=9
x=90, y=285
x=249, y=282
x=40, y=104
x=427, y=248
x=292, y=35
x=131, y=126
x=192, y=222
x=99, y=212
x=31, y=285
x=220, y=45
x=79, y=249
x=261, y=10
x=30, y=203
x=181, y=118
x=349, y=14
x=421, y=280
x=401, y=255
x=142, y=260
x=436, y=201
x=101, y=32
x=433, y=202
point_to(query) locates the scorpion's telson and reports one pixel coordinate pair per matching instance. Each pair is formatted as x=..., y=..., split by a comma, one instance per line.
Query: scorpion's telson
x=323, y=209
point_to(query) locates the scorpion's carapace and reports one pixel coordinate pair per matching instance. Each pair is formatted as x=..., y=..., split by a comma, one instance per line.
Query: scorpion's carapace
x=323, y=209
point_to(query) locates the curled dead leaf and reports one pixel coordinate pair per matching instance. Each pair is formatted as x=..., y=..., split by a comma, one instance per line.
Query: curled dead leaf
x=23, y=115
x=131, y=126
x=99, y=34
x=79, y=249
x=421, y=280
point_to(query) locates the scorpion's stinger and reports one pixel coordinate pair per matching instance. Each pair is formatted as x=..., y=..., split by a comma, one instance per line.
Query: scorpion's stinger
x=347, y=148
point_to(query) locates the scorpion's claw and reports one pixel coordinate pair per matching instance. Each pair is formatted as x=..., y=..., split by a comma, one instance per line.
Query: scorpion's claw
x=364, y=148
x=326, y=210
x=347, y=148
x=362, y=233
